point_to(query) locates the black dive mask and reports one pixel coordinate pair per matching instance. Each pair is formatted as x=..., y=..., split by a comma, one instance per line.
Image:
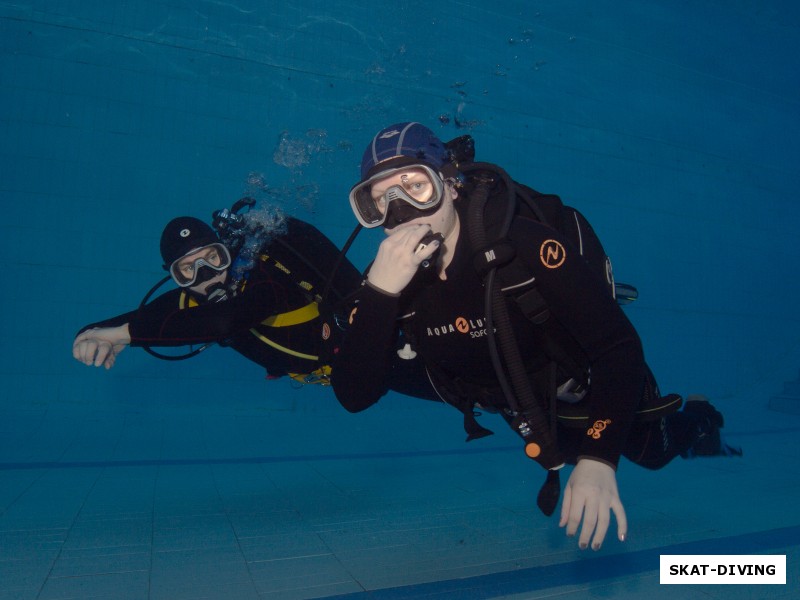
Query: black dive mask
x=204, y=273
x=400, y=212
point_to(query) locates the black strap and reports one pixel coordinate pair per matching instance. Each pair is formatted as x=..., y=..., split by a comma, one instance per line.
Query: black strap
x=533, y=306
x=549, y=493
x=494, y=256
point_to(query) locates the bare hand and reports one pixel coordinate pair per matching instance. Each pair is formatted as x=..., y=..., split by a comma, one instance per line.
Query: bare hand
x=100, y=346
x=591, y=494
x=398, y=260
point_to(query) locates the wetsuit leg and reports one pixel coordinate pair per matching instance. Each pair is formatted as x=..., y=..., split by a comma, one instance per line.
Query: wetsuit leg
x=654, y=444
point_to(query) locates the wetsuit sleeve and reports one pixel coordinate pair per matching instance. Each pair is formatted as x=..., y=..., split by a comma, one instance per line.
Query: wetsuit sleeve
x=578, y=300
x=148, y=318
x=361, y=367
x=111, y=322
x=164, y=323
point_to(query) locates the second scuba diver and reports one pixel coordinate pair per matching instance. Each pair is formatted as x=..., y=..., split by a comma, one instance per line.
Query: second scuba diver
x=268, y=287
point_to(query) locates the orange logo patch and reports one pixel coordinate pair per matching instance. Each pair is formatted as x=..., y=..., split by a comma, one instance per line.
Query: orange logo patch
x=552, y=254
x=462, y=325
x=598, y=427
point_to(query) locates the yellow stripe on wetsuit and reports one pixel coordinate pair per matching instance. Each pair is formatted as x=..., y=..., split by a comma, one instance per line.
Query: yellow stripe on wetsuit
x=293, y=317
x=307, y=313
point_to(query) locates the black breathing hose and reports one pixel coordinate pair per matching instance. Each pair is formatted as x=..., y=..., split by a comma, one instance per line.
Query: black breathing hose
x=519, y=392
x=337, y=264
x=156, y=354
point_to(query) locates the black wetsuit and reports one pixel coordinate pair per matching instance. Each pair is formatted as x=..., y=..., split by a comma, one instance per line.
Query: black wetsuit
x=243, y=320
x=447, y=321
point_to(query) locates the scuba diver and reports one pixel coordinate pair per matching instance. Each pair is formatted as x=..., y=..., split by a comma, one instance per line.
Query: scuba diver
x=262, y=283
x=508, y=299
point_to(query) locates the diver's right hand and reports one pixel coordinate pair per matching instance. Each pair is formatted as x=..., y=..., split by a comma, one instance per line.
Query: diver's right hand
x=398, y=259
x=100, y=346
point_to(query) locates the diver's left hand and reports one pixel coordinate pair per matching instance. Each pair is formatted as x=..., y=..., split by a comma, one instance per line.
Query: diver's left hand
x=591, y=493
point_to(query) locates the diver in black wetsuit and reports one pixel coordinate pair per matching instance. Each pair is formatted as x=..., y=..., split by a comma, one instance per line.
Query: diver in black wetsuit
x=264, y=301
x=410, y=186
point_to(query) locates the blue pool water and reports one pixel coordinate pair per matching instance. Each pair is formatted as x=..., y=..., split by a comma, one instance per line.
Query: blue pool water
x=674, y=126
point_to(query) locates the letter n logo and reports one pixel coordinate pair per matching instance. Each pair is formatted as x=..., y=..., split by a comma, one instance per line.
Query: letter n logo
x=552, y=254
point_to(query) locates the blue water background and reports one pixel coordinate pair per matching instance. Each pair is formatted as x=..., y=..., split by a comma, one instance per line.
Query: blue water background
x=674, y=126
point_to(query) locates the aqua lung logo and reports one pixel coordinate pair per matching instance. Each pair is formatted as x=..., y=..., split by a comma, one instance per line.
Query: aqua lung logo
x=475, y=328
x=389, y=134
x=552, y=254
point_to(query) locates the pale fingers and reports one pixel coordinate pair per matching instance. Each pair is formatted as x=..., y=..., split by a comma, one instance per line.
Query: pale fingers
x=103, y=350
x=603, y=521
x=590, y=514
x=565, y=506
x=575, y=512
x=397, y=260
x=85, y=351
x=622, y=520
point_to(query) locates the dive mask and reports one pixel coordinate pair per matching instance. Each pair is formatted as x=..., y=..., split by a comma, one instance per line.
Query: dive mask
x=417, y=189
x=189, y=270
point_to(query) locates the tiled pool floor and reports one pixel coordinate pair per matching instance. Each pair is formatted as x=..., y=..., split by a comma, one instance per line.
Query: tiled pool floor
x=185, y=504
